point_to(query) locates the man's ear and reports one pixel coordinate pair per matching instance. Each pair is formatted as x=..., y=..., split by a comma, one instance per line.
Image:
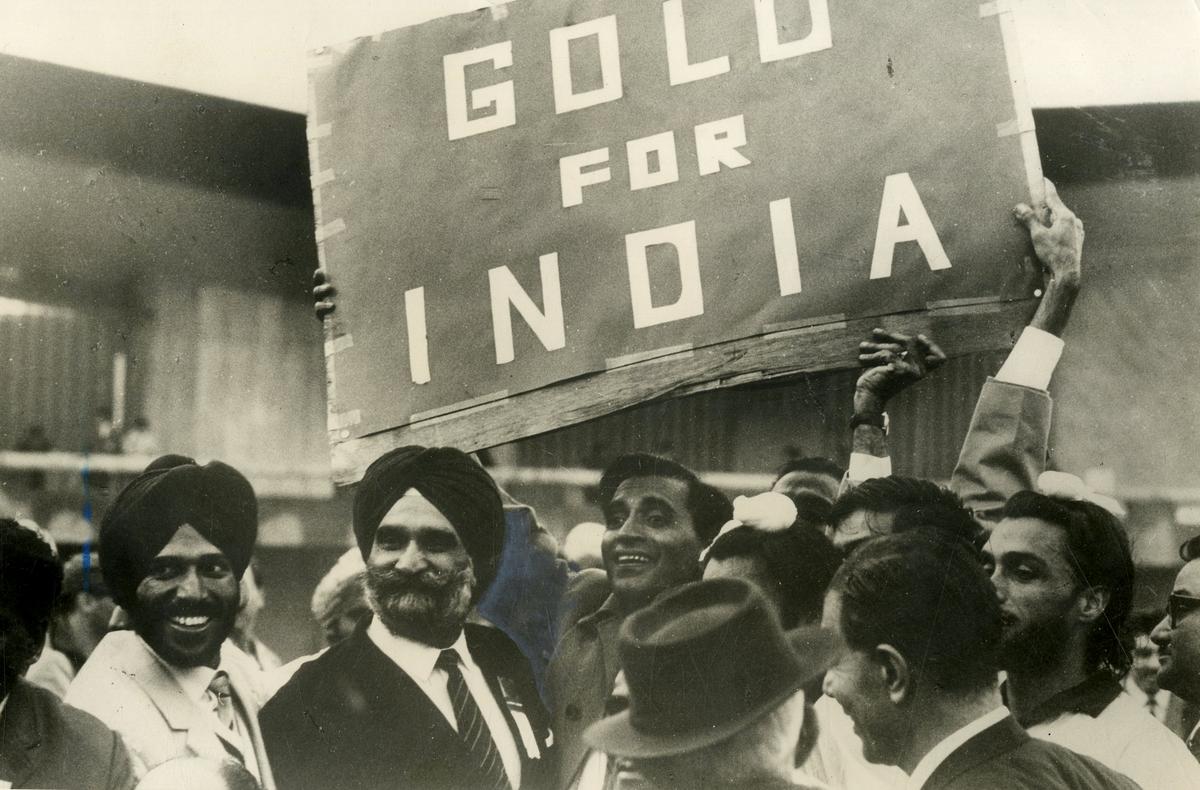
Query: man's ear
x=1091, y=603
x=893, y=672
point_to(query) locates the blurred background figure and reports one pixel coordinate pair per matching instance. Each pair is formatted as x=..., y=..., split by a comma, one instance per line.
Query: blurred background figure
x=1142, y=681
x=80, y=620
x=582, y=545
x=812, y=483
x=139, y=439
x=243, y=635
x=339, y=602
x=34, y=440
x=198, y=773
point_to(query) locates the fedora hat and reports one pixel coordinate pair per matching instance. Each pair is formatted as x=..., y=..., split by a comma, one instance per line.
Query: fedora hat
x=702, y=663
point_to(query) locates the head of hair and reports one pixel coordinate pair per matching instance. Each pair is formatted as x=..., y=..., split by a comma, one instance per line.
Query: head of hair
x=1190, y=549
x=204, y=773
x=813, y=464
x=914, y=504
x=708, y=507
x=927, y=596
x=30, y=576
x=762, y=752
x=801, y=563
x=1099, y=555
x=77, y=578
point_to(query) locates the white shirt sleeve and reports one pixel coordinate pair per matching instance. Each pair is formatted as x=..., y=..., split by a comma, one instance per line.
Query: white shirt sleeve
x=1032, y=360
x=865, y=467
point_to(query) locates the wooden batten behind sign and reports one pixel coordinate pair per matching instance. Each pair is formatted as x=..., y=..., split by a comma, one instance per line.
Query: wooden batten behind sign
x=960, y=330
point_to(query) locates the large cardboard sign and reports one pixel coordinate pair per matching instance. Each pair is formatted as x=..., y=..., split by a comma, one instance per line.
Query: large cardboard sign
x=544, y=211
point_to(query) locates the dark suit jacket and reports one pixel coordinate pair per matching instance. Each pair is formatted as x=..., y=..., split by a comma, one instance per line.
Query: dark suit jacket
x=1005, y=756
x=46, y=744
x=353, y=719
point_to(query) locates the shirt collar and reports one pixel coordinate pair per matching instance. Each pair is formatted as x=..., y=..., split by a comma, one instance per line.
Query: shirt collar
x=607, y=609
x=938, y=754
x=1090, y=698
x=417, y=659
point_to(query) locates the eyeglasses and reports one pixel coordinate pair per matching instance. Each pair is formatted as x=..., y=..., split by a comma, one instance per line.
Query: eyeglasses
x=1180, y=606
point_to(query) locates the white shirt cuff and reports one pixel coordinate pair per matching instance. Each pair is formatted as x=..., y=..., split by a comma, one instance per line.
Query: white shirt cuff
x=865, y=467
x=1032, y=360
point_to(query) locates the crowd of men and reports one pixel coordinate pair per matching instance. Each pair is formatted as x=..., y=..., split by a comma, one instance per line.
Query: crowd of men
x=851, y=629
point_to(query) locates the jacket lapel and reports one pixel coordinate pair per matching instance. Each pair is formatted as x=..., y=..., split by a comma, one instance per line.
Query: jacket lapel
x=246, y=690
x=1001, y=737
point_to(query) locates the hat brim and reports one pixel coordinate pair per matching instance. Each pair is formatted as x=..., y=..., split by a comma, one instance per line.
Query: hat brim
x=818, y=650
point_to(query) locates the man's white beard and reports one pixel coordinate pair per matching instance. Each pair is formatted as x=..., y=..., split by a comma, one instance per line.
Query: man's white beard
x=434, y=617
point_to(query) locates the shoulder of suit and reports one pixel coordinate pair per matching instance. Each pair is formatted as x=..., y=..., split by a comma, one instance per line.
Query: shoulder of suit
x=586, y=592
x=311, y=679
x=114, y=662
x=87, y=736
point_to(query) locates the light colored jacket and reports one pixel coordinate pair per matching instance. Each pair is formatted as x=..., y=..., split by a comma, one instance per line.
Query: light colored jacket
x=127, y=687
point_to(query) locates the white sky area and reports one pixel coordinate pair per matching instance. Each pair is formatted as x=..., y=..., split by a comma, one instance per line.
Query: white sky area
x=1075, y=52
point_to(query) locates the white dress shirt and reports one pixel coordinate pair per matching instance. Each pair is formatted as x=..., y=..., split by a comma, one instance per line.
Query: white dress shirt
x=938, y=754
x=1033, y=359
x=419, y=661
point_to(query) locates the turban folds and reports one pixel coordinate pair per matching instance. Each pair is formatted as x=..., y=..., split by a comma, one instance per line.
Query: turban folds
x=215, y=499
x=457, y=486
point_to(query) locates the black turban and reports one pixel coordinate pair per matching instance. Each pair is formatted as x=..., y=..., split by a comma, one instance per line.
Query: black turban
x=457, y=486
x=174, y=490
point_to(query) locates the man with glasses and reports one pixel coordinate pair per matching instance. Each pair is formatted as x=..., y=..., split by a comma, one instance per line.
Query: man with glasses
x=1178, y=636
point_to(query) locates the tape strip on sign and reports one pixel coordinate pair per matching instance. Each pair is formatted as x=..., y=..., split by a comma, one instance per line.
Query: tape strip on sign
x=339, y=343
x=473, y=403
x=320, y=61
x=499, y=13
x=807, y=325
x=993, y=8
x=330, y=229
x=337, y=420
x=322, y=178
x=319, y=131
x=656, y=355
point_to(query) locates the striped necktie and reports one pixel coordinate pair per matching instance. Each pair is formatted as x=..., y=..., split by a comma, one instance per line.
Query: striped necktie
x=221, y=692
x=472, y=729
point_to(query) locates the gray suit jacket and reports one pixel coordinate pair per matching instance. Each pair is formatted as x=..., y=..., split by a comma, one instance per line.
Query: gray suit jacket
x=127, y=687
x=1005, y=447
x=583, y=667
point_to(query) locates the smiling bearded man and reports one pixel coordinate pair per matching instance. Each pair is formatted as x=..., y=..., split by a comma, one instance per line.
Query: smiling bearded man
x=175, y=543
x=418, y=696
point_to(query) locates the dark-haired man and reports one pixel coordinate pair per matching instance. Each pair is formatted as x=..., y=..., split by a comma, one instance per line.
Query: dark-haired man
x=923, y=629
x=1178, y=636
x=417, y=697
x=659, y=516
x=1063, y=576
x=43, y=743
x=175, y=542
x=811, y=483
x=883, y=505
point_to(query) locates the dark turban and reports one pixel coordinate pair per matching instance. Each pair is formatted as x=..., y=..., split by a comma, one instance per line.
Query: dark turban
x=174, y=490
x=457, y=486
